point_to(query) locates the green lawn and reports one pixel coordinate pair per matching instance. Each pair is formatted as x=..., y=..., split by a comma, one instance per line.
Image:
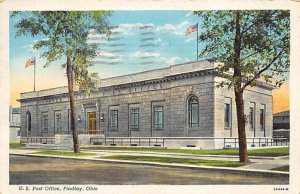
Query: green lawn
x=283, y=168
x=272, y=152
x=64, y=153
x=220, y=163
x=16, y=145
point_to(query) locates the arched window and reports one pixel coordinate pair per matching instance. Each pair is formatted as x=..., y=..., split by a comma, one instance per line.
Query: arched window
x=28, y=123
x=193, y=111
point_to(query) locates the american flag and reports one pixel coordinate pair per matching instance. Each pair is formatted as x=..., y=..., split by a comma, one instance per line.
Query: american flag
x=30, y=62
x=191, y=29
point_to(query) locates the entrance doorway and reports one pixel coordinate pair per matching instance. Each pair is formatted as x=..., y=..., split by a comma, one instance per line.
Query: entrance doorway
x=92, y=122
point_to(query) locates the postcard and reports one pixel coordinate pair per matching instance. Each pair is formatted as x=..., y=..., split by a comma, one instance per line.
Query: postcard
x=149, y=96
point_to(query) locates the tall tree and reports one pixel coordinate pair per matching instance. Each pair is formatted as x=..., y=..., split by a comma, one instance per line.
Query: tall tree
x=255, y=44
x=66, y=38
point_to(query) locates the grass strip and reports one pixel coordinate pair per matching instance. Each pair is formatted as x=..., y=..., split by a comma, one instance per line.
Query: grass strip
x=270, y=152
x=220, y=163
x=16, y=145
x=64, y=153
x=285, y=168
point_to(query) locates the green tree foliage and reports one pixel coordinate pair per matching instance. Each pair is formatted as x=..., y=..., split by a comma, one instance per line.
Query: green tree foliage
x=254, y=44
x=66, y=35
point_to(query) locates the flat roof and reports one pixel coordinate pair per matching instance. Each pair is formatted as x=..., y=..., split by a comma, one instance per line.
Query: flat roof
x=282, y=114
x=176, y=69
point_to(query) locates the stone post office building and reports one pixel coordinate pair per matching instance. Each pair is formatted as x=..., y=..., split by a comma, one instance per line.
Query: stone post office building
x=179, y=103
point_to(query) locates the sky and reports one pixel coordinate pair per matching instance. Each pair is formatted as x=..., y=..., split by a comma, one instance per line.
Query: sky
x=142, y=40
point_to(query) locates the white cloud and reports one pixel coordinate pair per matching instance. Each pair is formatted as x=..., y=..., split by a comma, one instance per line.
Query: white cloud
x=128, y=29
x=173, y=60
x=189, y=14
x=189, y=39
x=133, y=29
x=36, y=40
x=141, y=54
x=103, y=53
x=29, y=47
x=177, y=29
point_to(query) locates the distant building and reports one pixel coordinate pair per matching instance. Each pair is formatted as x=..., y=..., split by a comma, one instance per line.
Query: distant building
x=180, y=103
x=281, y=120
x=281, y=125
x=14, y=124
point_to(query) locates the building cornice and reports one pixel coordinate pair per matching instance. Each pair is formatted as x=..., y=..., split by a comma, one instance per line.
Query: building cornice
x=174, y=72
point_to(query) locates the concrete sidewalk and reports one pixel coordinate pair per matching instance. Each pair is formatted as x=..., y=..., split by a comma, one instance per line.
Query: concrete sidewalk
x=261, y=164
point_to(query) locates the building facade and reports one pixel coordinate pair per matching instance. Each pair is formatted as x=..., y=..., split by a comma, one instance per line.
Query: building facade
x=179, y=101
x=14, y=124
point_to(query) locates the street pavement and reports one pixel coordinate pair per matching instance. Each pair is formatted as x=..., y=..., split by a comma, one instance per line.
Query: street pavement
x=27, y=170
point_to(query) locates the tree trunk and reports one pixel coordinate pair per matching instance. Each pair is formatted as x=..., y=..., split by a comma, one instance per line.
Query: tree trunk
x=238, y=91
x=239, y=101
x=72, y=105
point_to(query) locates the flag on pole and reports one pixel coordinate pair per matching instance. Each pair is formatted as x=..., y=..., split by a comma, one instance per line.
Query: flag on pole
x=191, y=29
x=30, y=62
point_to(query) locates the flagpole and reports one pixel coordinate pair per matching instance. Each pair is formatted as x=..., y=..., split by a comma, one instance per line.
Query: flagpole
x=197, y=40
x=34, y=75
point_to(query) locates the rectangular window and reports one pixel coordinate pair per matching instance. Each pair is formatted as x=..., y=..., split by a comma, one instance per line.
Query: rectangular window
x=69, y=121
x=134, y=118
x=227, y=115
x=45, y=122
x=158, y=117
x=114, y=119
x=262, y=119
x=251, y=118
x=57, y=121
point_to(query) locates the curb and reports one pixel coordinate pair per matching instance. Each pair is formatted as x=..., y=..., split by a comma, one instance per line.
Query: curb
x=183, y=166
x=177, y=154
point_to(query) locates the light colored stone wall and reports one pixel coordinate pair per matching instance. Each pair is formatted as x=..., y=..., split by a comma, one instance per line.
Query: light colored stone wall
x=173, y=97
x=257, y=95
x=67, y=140
x=169, y=87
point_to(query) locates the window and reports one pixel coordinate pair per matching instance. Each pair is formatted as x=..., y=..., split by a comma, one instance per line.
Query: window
x=193, y=111
x=134, y=118
x=69, y=121
x=262, y=119
x=28, y=123
x=227, y=113
x=45, y=122
x=251, y=118
x=57, y=121
x=114, y=119
x=158, y=117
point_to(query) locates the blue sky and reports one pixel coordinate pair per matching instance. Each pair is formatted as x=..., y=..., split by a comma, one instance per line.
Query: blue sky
x=143, y=40
x=169, y=45
x=162, y=31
